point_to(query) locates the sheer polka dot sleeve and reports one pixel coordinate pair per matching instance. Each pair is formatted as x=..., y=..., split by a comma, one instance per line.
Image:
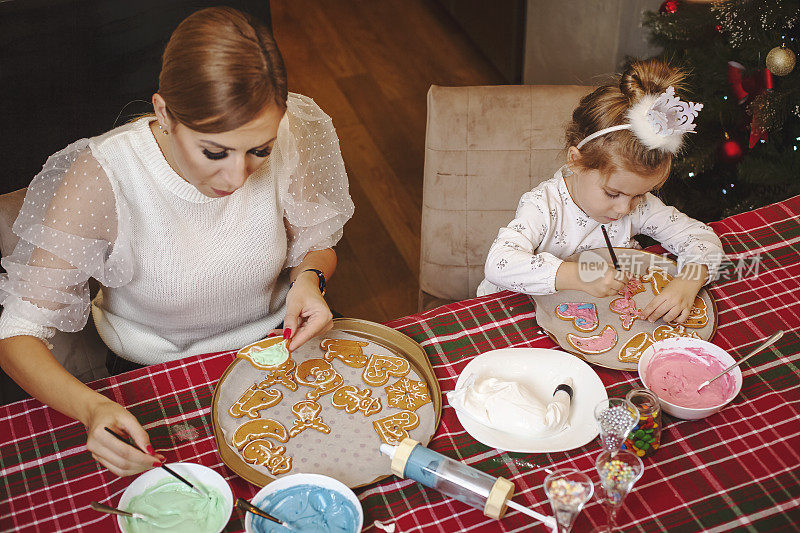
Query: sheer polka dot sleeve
x=312, y=179
x=71, y=227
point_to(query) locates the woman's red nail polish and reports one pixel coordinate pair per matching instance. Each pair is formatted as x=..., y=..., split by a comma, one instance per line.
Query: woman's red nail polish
x=287, y=333
x=150, y=450
x=157, y=463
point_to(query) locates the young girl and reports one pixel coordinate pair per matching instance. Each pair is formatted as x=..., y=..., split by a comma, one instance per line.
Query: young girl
x=621, y=142
x=194, y=220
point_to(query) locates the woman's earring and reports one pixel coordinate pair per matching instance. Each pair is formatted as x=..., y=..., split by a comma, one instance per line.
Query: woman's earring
x=161, y=127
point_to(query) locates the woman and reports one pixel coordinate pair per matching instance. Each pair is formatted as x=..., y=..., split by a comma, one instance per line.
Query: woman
x=195, y=221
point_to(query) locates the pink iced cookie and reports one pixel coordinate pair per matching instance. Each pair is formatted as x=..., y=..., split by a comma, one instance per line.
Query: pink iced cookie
x=634, y=287
x=596, y=343
x=583, y=315
x=627, y=311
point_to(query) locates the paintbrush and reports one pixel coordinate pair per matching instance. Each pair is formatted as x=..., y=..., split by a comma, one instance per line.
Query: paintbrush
x=245, y=505
x=610, y=249
x=165, y=467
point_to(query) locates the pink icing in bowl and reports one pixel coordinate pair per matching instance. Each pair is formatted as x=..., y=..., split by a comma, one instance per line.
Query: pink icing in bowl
x=674, y=368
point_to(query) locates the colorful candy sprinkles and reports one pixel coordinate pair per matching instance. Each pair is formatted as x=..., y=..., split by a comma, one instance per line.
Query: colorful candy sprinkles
x=568, y=493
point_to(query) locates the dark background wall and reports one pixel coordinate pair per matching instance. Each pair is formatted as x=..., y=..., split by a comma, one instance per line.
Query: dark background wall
x=76, y=68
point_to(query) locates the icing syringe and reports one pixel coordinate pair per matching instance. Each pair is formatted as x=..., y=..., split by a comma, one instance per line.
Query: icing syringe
x=452, y=478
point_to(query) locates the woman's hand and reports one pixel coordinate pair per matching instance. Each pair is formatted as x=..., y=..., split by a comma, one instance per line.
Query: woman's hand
x=307, y=312
x=610, y=283
x=120, y=458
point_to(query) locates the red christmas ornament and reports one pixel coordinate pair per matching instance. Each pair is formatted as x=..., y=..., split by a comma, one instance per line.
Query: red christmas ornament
x=744, y=87
x=718, y=27
x=730, y=152
x=669, y=7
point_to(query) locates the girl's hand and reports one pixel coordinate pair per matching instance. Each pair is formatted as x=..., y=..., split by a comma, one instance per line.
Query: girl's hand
x=675, y=301
x=120, y=458
x=610, y=283
x=307, y=312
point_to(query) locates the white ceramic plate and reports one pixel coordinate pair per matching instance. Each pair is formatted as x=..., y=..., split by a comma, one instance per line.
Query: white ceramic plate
x=191, y=471
x=305, y=479
x=541, y=370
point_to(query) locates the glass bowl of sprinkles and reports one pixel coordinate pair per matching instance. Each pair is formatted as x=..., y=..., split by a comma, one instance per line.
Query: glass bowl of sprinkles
x=568, y=491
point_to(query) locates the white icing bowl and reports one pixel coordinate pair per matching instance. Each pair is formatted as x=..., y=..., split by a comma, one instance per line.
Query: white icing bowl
x=317, y=480
x=690, y=413
x=192, y=472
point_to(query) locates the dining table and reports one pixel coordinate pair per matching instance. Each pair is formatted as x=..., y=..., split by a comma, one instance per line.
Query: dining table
x=738, y=469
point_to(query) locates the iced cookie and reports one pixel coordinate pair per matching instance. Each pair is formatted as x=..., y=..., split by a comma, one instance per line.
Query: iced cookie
x=698, y=316
x=351, y=399
x=266, y=354
x=632, y=351
x=254, y=400
x=658, y=277
x=394, y=428
x=583, y=315
x=261, y=428
x=627, y=311
x=407, y=394
x=350, y=352
x=264, y=453
x=596, y=343
x=319, y=375
x=634, y=287
x=380, y=367
x=673, y=330
x=307, y=414
x=281, y=375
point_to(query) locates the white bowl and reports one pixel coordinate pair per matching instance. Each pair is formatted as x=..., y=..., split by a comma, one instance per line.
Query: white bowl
x=192, y=472
x=317, y=480
x=689, y=413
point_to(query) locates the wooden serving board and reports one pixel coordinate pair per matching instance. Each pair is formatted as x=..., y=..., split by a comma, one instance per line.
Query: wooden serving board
x=349, y=452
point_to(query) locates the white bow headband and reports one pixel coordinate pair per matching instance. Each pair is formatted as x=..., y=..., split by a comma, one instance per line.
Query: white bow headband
x=659, y=122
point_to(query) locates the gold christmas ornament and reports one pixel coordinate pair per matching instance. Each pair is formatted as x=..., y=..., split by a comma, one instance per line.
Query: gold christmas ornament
x=780, y=60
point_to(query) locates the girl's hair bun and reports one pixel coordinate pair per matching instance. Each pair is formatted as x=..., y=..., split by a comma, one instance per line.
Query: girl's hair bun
x=649, y=76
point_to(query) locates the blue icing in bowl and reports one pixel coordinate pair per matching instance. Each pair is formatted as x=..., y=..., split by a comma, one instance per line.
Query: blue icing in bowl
x=308, y=509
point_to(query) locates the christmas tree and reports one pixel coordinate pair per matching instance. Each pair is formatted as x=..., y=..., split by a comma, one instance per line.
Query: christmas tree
x=741, y=59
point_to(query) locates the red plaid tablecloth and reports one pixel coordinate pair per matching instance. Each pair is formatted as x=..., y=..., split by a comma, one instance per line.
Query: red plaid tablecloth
x=738, y=469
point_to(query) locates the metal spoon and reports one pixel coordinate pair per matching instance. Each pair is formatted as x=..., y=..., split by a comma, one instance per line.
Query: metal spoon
x=113, y=510
x=766, y=343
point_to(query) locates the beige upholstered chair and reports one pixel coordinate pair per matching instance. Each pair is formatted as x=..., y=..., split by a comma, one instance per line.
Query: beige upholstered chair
x=83, y=354
x=484, y=147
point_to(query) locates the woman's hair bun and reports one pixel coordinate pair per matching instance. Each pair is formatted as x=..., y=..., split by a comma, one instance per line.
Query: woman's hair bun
x=649, y=76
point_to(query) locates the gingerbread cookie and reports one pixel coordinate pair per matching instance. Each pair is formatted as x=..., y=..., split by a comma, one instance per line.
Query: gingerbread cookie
x=260, y=428
x=349, y=398
x=319, y=375
x=264, y=453
x=254, y=400
x=379, y=367
x=394, y=428
x=698, y=317
x=673, y=330
x=407, y=394
x=350, y=352
x=266, y=354
x=627, y=311
x=595, y=344
x=307, y=414
x=658, y=277
x=281, y=375
x=634, y=287
x=583, y=315
x=633, y=349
